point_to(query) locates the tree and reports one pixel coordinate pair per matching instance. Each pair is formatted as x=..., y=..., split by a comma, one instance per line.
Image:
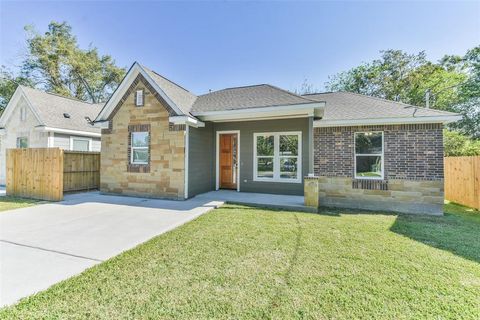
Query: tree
x=387, y=77
x=56, y=63
x=456, y=144
x=453, y=83
x=441, y=83
x=469, y=94
x=305, y=88
x=8, y=84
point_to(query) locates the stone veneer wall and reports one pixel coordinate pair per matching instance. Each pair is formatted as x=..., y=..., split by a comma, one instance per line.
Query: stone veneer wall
x=413, y=167
x=164, y=176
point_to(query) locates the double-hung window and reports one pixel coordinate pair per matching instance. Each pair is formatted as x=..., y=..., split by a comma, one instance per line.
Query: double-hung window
x=277, y=157
x=22, y=142
x=139, y=148
x=369, y=155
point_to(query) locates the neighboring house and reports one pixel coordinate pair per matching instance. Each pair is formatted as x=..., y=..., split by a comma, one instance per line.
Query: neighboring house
x=36, y=119
x=160, y=140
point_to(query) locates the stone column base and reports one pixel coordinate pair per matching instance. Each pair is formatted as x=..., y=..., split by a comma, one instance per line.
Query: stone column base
x=311, y=192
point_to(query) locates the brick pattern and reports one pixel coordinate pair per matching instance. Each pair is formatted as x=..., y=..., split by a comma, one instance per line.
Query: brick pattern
x=409, y=196
x=411, y=152
x=135, y=167
x=176, y=127
x=139, y=80
x=165, y=175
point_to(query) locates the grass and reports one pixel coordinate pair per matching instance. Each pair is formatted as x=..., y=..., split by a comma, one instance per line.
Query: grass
x=9, y=203
x=248, y=263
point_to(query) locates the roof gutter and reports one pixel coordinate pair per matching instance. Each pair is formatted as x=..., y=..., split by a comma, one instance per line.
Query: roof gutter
x=385, y=121
x=190, y=121
x=314, y=109
x=68, y=131
x=186, y=120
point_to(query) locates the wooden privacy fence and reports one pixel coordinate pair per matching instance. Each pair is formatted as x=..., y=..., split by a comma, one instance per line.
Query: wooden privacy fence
x=45, y=173
x=462, y=180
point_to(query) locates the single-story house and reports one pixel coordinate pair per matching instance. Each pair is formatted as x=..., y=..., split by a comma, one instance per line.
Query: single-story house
x=37, y=119
x=160, y=140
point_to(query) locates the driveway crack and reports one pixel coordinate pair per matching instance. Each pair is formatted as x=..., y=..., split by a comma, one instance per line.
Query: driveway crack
x=50, y=250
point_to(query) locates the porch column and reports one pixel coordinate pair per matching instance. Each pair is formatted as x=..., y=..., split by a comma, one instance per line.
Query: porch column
x=311, y=192
x=311, y=137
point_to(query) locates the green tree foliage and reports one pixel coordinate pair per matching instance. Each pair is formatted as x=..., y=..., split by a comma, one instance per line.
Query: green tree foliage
x=456, y=144
x=469, y=95
x=8, y=84
x=399, y=76
x=453, y=82
x=56, y=63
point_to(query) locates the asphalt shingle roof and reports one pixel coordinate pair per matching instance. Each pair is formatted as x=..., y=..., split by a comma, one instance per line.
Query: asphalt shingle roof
x=352, y=106
x=182, y=98
x=51, y=108
x=263, y=95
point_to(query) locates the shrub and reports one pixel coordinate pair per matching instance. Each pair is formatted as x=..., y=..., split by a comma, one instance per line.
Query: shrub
x=456, y=144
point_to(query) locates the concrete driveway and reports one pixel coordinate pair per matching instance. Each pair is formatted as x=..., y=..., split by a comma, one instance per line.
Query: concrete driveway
x=44, y=244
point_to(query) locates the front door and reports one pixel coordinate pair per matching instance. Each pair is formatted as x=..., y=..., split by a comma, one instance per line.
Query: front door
x=228, y=160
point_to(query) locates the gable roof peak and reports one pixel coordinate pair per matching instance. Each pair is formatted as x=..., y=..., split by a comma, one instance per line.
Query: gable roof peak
x=49, y=109
x=25, y=88
x=165, y=78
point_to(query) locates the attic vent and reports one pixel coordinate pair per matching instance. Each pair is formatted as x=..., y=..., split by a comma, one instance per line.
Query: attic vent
x=139, y=97
x=66, y=115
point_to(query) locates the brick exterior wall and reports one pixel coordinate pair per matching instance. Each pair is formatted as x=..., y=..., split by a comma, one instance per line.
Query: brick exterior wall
x=413, y=169
x=413, y=152
x=164, y=176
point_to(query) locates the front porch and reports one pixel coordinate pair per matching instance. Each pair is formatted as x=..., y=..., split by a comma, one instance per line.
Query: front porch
x=274, y=201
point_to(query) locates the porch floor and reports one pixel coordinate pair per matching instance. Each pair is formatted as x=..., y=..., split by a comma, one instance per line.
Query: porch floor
x=275, y=201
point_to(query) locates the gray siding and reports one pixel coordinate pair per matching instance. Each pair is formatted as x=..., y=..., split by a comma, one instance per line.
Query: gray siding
x=247, y=129
x=201, y=160
x=96, y=144
x=63, y=141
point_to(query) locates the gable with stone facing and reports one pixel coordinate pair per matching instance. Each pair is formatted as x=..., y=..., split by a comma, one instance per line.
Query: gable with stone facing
x=160, y=140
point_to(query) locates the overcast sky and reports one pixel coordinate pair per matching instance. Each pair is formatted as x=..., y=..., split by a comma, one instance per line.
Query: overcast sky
x=214, y=45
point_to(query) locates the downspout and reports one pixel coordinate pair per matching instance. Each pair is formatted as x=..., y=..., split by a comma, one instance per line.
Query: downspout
x=50, y=140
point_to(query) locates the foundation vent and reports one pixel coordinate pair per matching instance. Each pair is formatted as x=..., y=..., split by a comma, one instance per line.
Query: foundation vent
x=370, y=184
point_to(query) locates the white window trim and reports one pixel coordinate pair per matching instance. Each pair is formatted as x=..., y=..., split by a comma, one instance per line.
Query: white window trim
x=217, y=157
x=368, y=154
x=276, y=157
x=22, y=137
x=139, y=148
x=83, y=139
x=139, y=93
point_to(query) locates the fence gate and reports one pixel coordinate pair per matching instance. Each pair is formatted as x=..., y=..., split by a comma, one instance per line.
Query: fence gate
x=462, y=180
x=45, y=173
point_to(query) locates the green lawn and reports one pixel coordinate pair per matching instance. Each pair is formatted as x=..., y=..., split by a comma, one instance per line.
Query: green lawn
x=8, y=203
x=246, y=263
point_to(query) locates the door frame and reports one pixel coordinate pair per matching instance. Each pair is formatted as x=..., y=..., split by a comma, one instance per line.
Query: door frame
x=217, y=157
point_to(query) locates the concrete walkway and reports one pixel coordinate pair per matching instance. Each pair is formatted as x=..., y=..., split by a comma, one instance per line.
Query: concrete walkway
x=44, y=244
x=275, y=201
